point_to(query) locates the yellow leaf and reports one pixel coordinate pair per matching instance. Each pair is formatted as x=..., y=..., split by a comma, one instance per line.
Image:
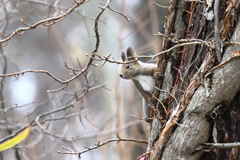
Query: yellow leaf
x=14, y=139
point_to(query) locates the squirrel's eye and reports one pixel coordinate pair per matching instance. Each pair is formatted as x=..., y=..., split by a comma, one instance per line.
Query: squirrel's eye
x=127, y=67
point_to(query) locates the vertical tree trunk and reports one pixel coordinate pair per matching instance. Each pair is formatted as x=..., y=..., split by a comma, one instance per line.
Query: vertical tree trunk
x=201, y=80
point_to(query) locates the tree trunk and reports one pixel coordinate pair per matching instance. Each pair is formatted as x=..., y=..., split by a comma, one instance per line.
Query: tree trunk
x=201, y=81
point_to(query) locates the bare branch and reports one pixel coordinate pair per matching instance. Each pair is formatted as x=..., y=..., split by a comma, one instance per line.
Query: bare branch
x=212, y=146
x=168, y=93
x=85, y=91
x=100, y=145
x=117, y=12
x=145, y=154
x=154, y=3
x=48, y=73
x=223, y=63
x=184, y=44
x=45, y=22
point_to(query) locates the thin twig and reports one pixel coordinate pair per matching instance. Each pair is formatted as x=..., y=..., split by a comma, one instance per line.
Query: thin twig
x=154, y=3
x=143, y=155
x=223, y=63
x=45, y=22
x=136, y=117
x=101, y=144
x=117, y=12
x=181, y=45
x=49, y=74
x=168, y=93
x=212, y=146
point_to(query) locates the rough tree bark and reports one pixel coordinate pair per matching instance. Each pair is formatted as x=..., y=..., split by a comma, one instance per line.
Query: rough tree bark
x=201, y=81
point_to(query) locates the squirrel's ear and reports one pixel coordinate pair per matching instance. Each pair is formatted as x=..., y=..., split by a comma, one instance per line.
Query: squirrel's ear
x=130, y=52
x=123, y=56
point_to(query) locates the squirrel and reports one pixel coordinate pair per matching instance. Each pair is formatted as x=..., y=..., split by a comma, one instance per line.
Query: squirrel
x=142, y=74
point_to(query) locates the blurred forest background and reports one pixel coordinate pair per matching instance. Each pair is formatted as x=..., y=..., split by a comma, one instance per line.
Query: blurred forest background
x=101, y=101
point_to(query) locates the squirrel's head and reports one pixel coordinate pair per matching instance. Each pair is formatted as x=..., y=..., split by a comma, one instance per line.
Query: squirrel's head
x=130, y=70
